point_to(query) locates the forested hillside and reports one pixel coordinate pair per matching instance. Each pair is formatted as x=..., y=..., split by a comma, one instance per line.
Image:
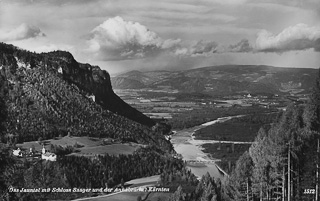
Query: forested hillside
x=50, y=95
x=91, y=79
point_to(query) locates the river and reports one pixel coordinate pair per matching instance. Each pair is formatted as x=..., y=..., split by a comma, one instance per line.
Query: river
x=184, y=143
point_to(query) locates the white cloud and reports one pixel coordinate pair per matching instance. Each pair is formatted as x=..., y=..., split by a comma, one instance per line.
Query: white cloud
x=209, y=48
x=44, y=44
x=298, y=37
x=117, y=39
x=24, y=31
x=52, y=47
x=208, y=2
x=204, y=48
x=242, y=46
x=230, y=2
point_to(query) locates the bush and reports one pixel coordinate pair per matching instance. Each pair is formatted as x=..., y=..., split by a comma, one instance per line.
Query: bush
x=60, y=150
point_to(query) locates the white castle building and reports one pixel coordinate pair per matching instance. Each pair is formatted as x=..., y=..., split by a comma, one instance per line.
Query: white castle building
x=17, y=152
x=48, y=155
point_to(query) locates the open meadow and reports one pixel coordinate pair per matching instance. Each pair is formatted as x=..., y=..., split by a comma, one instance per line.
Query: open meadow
x=83, y=146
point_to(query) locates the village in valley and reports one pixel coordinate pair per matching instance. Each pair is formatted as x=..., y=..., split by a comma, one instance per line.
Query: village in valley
x=44, y=154
x=160, y=105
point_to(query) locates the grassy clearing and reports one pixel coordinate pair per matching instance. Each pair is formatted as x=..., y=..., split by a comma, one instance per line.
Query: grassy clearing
x=145, y=180
x=114, y=149
x=86, y=146
x=84, y=141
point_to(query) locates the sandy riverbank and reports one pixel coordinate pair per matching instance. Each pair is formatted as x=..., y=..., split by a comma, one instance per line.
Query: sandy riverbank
x=185, y=144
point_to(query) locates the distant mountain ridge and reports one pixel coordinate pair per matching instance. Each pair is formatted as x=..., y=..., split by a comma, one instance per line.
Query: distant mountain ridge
x=51, y=94
x=223, y=80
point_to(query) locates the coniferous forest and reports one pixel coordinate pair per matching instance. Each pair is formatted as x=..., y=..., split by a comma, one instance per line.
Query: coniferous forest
x=84, y=173
x=282, y=163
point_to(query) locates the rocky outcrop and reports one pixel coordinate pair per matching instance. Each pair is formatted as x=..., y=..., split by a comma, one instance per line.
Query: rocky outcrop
x=95, y=82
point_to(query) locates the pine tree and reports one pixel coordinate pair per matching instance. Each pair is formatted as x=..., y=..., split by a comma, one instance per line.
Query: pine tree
x=258, y=152
x=312, y=112
x=177, y=195
x=3, y=114
x=242, y=174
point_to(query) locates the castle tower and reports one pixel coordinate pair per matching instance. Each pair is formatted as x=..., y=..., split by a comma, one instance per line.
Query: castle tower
x=43, y=149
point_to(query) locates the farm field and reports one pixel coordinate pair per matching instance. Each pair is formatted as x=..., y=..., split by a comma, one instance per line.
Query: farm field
x=185, y=110
x=114, y=149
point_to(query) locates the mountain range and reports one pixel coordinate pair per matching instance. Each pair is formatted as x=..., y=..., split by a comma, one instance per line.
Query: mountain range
x=223, y=80
x=51, y=94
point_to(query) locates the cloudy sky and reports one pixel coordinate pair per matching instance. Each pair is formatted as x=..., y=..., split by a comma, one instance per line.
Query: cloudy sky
x=128, y=35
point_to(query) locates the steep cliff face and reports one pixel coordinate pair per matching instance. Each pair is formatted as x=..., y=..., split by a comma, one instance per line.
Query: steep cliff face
x=51, y=94
x=95, y=82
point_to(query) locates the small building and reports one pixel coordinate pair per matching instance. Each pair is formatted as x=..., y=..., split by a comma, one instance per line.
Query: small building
x=17, y=152
x=31, y=151
x=60, y=70
x=168, y=137
x=93, y=98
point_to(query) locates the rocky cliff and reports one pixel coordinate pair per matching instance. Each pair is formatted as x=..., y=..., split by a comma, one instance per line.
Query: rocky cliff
x=95, y=82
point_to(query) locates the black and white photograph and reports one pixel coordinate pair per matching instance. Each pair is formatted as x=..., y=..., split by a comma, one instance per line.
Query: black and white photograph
x=167, y=100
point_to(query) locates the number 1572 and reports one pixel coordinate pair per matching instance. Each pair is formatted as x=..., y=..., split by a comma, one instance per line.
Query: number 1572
x=309, y=191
